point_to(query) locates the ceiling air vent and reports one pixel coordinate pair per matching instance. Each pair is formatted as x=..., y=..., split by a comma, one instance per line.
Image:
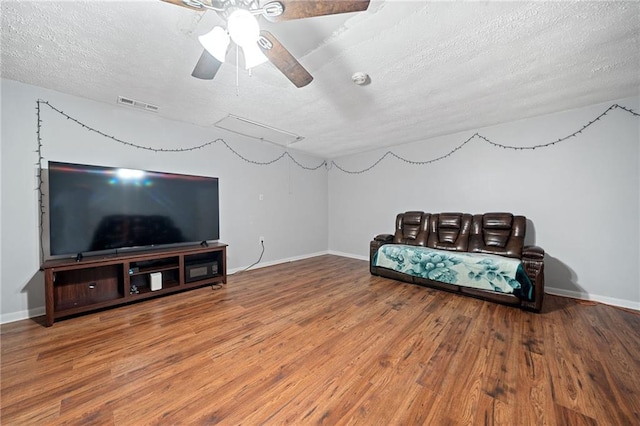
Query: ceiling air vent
x=137, y=104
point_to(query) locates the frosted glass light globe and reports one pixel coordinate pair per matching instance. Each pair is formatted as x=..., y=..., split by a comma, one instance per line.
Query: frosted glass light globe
x=216, y=42
x=243, y=27
x=253, y=56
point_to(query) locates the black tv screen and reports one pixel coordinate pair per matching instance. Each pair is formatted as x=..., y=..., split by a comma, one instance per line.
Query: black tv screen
x=94, y=208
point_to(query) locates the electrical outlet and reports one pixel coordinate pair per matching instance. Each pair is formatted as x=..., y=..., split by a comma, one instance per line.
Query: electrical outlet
x=261, y=240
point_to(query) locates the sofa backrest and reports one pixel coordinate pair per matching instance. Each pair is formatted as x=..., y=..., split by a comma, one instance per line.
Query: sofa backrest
x=498, y=233
x=449, y=231
x=412, y=228
x=492, y=233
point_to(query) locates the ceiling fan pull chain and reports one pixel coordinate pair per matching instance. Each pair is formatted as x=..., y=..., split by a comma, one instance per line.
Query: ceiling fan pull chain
x=237, y=70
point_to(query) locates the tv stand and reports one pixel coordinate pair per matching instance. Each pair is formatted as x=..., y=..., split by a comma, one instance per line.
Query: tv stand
x=75, y=286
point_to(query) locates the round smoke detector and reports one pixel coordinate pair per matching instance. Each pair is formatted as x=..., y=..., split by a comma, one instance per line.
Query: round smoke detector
x=360, y=78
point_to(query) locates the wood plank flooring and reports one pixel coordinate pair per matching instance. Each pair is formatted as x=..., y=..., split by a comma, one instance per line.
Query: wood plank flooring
x=321, y=341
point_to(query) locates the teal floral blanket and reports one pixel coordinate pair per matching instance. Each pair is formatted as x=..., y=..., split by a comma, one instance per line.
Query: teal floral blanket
x=476, y=270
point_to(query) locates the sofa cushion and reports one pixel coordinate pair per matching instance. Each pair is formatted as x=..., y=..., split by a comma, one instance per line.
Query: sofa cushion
x=449, y=231
x=497, y=233
x=412, y=228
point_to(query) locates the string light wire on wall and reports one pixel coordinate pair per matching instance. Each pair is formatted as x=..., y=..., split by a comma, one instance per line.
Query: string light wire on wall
x=489, y=141
x=327, y=164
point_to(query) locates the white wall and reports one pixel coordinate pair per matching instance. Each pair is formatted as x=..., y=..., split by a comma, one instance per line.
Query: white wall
x=581, y=196
x=292, y=217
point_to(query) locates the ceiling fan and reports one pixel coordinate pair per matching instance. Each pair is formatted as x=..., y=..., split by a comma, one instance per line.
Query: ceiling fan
x=257, y=45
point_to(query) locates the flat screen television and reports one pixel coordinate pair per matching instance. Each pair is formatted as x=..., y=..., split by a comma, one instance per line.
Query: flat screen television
x=96, y=209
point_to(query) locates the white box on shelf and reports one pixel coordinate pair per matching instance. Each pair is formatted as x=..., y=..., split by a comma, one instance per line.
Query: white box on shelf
x=156, y=281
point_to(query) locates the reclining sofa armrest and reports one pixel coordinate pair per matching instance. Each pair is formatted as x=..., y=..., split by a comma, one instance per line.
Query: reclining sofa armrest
x=533, y=263
x=532, y=253
x=376, y=243
x=385, y=238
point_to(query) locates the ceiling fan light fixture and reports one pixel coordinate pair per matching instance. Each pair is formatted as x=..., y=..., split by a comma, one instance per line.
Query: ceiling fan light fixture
x=243, y=27
x=253, y=56
x=216, y=42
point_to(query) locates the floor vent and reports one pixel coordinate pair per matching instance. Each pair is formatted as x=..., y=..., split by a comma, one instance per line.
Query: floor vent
x=137, y=104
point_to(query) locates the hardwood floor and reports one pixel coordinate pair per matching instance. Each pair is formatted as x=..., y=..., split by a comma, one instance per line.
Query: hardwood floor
x=321, y=341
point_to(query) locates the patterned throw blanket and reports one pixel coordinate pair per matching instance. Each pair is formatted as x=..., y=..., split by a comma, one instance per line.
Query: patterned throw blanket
x=476, y=270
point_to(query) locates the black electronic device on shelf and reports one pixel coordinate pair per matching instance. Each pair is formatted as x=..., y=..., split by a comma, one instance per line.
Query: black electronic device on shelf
x=200, y=271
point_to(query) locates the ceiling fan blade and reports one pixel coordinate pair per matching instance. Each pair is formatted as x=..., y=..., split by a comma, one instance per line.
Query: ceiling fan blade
x=298, y=9
x=207, y=66
x=283, y=60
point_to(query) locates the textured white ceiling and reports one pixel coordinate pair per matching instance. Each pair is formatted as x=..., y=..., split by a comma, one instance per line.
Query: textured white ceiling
x=436, y=67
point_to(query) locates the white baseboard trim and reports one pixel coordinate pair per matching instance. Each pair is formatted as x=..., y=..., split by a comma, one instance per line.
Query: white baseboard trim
x=278, y=262
x=352, y=256
x=622, y=303
x=21, y=315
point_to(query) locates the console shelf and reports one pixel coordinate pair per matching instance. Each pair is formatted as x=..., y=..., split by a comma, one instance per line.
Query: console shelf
x=74, y=287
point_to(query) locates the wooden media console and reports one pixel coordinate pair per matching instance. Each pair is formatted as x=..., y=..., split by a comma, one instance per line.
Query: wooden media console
x=74, y=287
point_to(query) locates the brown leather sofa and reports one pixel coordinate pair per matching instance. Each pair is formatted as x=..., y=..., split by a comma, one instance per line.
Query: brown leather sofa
x=492, y=233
